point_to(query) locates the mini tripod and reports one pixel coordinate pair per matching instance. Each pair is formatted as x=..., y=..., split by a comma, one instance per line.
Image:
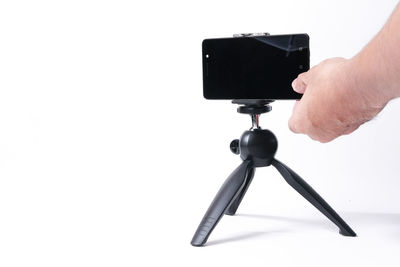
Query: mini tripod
x=257, y=148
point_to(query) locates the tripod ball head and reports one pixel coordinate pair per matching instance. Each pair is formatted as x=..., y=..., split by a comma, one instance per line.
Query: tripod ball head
x=258, y=146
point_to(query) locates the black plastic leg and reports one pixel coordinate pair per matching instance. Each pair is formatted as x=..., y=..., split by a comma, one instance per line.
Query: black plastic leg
x=222, y=200
x=236, y=202
x=308, y=193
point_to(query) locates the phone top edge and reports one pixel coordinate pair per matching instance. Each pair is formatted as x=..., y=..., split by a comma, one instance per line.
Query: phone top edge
x=264, y=36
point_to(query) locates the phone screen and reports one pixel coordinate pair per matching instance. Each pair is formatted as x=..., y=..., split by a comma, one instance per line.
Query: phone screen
x=261, y=67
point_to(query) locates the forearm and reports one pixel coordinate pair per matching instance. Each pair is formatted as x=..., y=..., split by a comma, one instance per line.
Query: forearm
x=377, y=66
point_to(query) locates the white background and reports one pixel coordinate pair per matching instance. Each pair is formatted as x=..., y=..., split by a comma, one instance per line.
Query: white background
x=109, y=155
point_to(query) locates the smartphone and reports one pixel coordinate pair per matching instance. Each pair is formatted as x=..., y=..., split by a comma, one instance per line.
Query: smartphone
x=259, y=67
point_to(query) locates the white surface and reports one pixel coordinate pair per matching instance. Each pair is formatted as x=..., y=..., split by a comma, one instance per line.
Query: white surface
x=109, y=155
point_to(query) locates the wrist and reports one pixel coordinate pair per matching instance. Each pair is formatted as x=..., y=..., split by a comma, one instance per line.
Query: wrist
x=377, y=68
x=358, y=95
x=368, y=80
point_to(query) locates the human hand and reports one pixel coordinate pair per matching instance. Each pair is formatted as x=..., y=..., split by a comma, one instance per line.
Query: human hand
x=334, y=100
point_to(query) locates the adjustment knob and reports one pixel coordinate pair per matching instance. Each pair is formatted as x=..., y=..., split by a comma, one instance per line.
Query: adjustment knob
x=234, y=146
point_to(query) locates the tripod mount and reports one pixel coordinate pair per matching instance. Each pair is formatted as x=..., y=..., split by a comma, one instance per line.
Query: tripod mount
x=257, y=148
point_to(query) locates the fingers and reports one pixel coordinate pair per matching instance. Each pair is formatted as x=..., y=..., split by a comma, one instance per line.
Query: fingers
x=293, y=125
x=296, y=123
x=301, y=122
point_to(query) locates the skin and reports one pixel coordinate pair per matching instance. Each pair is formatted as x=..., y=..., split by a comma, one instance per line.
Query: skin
x=341, y=94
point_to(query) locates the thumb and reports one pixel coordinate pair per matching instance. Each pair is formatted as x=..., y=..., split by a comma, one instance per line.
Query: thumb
x=300, y=83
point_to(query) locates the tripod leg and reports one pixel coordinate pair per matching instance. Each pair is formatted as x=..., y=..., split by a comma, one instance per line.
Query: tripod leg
x=308, y=193
x=236, y=202
x=222, y=200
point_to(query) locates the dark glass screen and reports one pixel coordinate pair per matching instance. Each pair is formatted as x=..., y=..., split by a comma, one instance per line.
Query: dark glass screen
x=254, y=67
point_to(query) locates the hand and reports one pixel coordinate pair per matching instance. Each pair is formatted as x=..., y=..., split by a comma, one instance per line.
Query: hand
x=333, y=102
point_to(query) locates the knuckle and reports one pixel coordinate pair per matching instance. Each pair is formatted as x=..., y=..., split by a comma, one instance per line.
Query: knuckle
x=292, y=126
x=295, y=125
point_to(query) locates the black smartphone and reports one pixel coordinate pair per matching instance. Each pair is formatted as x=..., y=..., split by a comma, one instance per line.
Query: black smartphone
x=256, y=67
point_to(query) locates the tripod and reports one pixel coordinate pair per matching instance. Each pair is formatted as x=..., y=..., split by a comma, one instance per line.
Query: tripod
x=257, y=148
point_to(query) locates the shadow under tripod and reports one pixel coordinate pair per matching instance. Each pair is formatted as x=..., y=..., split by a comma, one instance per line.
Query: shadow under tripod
x=257, y=148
